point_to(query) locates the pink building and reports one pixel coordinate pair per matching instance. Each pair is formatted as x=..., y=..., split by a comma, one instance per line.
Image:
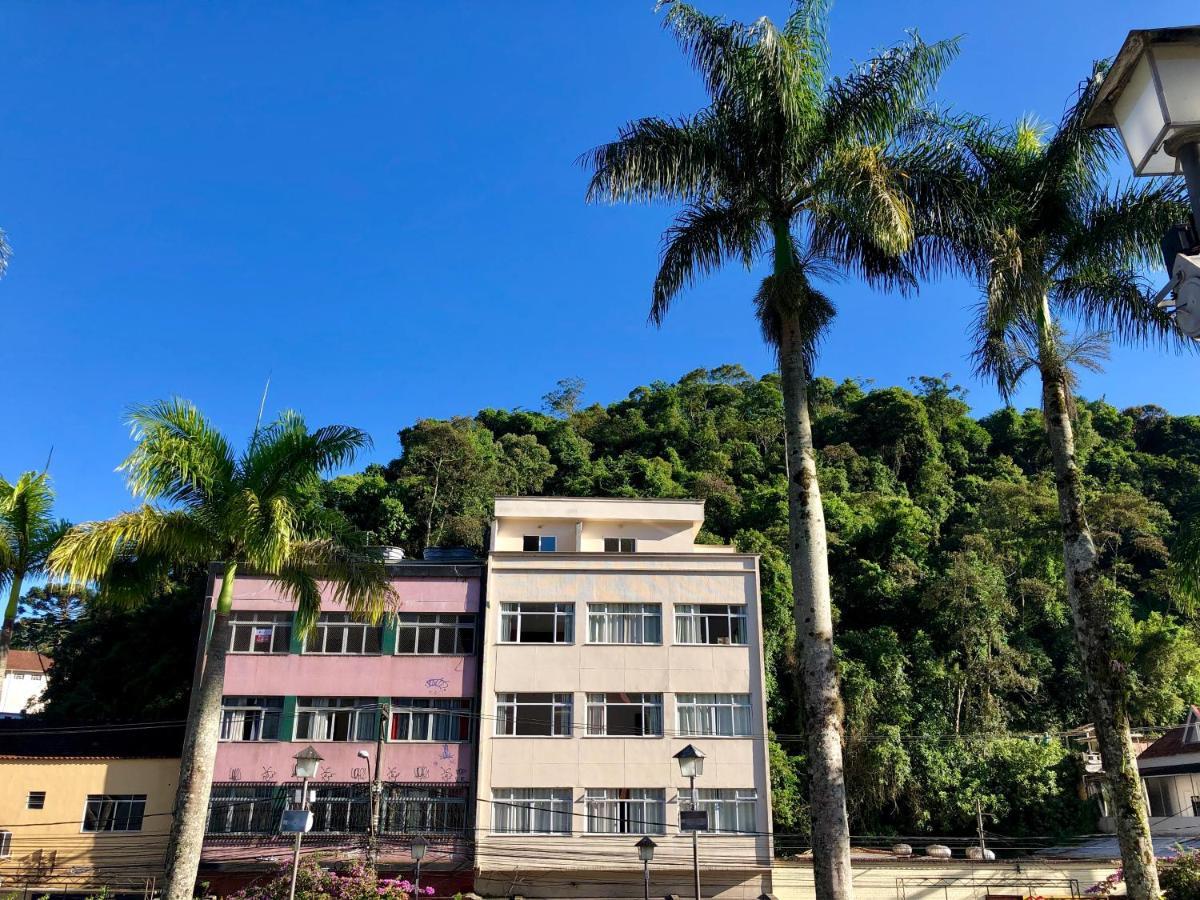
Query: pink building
x=414, y=677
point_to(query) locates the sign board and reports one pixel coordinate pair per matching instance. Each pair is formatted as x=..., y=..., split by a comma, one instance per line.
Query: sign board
x=296, y=821
x=693, y=820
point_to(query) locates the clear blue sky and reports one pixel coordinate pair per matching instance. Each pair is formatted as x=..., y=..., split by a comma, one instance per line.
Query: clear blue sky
x=378, y=206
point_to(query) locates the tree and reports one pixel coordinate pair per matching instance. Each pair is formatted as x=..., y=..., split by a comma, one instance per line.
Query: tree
x=564, y=399
x=1050, y=241
x=28, y=531
x=252, y=511
x=46, y=613
x=819, y=176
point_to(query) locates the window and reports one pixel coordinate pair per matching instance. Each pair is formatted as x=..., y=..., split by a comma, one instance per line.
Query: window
x=710, y=624
x=626, y=811
x=1196, y=806
x=1160, y=793
x=336, y=719
x=625, y=715
x=114, y=812
x=619, y=545
x=5, y=844
x=423, y=808
x=261, y=632
x=244, y=808
x=250, y=718
x=539, y=543
x=537, y=623
x=713, y=715
x=625, y=623
x=531, y=810
x=341, y=633
x=435, y=634
x=341, y=808
x=425, y=719
x=729, y=809
x=36, y=800
x=18, y=675
x=540, y=715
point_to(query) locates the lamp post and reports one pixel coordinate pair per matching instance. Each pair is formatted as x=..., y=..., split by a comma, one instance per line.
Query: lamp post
x=691, y=764
x=645, y=849
x=307, y=761
x=419, y=846
x=1151, y=95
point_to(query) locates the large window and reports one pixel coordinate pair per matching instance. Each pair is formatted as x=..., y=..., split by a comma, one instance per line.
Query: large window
x=336, y=719
x=244, y=808
x=537, y=623
x=729, y=809
x=625, y=623
x=531, y=810
x=544, y=715
x=539, y=543
x=707, y=623
x=620, y=545
x=625, y=715
x=424, y=808
x=1160, y=792
x=713, y=715
x=341, y=633
x=250, y=718
x=442, y=634
x=626, y=811
x=114, y=812
x=260, y=632
x=424, y=719
x=341, y=808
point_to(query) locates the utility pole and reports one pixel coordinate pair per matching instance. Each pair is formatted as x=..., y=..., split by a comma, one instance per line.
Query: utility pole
x=376, y=793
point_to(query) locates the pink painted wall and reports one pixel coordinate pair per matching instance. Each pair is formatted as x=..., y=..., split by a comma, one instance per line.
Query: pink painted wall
x=273, y=761
x=414, y=594
x=386, y=675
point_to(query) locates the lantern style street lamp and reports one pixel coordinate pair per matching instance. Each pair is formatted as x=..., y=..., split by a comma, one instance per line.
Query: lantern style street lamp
x=308, y=761
x=645, y=849
x=418, y=848
x=1151, y=95
x=691, y=765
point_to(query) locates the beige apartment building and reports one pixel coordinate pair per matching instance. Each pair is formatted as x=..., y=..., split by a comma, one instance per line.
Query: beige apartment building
x=612, y=641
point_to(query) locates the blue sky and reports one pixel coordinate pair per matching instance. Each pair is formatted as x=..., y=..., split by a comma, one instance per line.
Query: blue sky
x=376, y=204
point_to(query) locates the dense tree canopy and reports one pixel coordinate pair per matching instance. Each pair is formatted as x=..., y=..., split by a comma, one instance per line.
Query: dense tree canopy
x=958, y=664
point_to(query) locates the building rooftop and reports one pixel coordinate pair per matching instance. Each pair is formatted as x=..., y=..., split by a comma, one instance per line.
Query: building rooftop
x=614, y=509
x=28, y=661
x=1175, y=742
x=31, y=739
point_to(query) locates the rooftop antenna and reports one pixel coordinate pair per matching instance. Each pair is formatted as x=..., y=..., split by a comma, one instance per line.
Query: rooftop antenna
x=49, y=456
x=261, y=406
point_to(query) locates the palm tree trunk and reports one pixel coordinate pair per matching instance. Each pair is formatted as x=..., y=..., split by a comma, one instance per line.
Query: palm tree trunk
x=812, y=609
x=1093, y=624
x=10, y=618
x=199, y=754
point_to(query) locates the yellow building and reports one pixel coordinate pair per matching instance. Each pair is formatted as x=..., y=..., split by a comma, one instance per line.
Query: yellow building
x=84, y=810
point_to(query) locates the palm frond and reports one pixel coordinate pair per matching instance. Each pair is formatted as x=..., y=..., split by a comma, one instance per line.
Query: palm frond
x=287, y=455
x=997, y=355
x=355, y=580
x=1123, y=228
x=179, y=457
x=715, y=47
x=1119, y=302
x=790, y=294
x=27, y=526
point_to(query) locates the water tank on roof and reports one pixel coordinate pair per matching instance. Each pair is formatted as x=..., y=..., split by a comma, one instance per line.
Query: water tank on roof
x=902, y=849
x=938, y=851
x=390, y=554
x=441, y=554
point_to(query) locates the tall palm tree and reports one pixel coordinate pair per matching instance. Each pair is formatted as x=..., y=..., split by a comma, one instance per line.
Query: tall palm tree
x=1053, y=242
x=252, y=511
x=28, y=531
x=814, y=176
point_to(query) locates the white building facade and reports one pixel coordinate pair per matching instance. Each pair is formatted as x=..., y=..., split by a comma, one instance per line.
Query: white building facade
x=612, y=641
x=24, y=681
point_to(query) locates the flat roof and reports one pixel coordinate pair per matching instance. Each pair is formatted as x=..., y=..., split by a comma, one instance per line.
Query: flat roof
x=611, y=509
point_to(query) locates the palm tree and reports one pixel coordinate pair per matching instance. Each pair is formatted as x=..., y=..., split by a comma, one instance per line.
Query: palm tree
x=1053, y=242
x=28, y=531
x=252, y=511
x=818, y=177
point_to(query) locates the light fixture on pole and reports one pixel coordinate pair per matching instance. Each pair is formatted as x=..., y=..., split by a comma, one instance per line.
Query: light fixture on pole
x=308, y=761
x=645, y=849
x=691, y=766
x=419, y=846
x=1151, y=95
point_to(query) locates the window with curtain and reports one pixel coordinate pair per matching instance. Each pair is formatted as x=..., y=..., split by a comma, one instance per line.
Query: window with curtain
x=435, y=634
x=625, y=715
x=443, y=719
x=625, y=623
x=534, y=715
x=260, y=632
x=537, y=623
x=708, y=623
x=626, y=810
x=713, y=715
x=341, y=633
x=729, y=809
x=250, y=718
x=531, y=810
x=336, y=718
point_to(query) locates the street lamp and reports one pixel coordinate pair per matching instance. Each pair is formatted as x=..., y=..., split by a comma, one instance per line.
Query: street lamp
x=645, y=849
x=691, y=765
x=1151, y=95
x=419, y=846
x=307, y=762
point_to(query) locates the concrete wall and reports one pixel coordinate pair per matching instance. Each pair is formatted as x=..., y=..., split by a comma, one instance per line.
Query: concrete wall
x=20, y=690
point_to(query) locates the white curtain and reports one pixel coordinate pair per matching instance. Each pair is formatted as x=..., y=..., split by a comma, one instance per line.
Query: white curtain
x=531, y=810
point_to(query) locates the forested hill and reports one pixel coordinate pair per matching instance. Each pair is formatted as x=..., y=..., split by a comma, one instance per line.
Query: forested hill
x=958, y=666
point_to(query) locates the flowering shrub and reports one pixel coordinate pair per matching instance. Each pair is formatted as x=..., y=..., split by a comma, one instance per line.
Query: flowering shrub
x=316, y=883
x=1107, y=885
x=1180, y=877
